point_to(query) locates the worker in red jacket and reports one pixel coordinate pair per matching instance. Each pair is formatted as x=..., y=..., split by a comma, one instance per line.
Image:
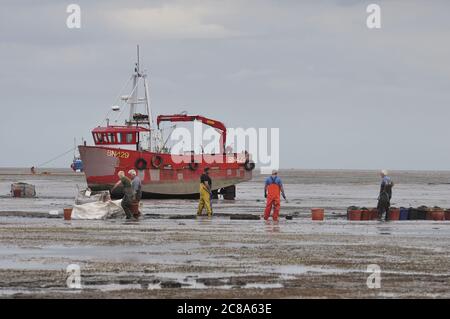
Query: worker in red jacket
x=272, y=191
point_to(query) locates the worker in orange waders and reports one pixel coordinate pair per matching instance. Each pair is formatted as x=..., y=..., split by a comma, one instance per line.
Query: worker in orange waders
x=272, y=191
x=205, y=193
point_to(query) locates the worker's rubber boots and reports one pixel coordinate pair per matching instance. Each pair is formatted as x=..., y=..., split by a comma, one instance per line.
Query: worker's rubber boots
x=126, y=205
x=205, y=201
x=273, y=200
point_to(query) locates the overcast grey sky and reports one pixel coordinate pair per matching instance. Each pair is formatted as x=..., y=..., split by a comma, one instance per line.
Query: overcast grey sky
x=342, y=95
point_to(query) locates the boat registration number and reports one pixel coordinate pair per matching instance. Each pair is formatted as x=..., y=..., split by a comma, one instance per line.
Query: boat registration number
x=119, y=154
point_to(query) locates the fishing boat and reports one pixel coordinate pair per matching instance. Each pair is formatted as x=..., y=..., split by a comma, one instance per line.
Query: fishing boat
x=138, y=144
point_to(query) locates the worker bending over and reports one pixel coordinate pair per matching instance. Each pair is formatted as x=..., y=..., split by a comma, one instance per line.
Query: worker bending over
x=128, y=194
x=205, y=193
x=272, y=190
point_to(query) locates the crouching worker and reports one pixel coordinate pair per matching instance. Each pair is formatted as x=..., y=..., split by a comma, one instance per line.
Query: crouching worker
x=384, y=199
x=272, y=190
x=128, y=195
x=205, y=193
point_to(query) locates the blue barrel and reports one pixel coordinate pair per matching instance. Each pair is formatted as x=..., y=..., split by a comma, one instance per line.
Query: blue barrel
x=404, y=213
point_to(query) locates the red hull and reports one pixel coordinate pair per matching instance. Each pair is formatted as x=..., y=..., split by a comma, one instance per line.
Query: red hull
x=173, y=178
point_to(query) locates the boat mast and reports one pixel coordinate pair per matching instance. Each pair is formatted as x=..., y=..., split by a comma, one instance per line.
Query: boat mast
x=149, y=112
x=134, y=100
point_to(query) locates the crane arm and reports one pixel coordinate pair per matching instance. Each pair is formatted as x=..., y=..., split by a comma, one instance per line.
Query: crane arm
x=190, y=118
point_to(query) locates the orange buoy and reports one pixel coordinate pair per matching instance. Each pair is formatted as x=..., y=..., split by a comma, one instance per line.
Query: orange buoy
x=67, y=213
x=394, y=214
x=317, y=213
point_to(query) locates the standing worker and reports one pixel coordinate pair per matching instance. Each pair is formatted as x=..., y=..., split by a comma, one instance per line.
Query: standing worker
x=136, y=184
x=272, y=190
x=205, y=193
x=384, y=199
x=128, y=195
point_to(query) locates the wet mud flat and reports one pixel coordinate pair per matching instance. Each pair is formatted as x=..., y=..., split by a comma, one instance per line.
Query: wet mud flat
x=223, y=258
x=172, y=254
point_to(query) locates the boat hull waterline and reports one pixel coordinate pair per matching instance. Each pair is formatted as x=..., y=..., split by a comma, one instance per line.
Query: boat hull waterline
x=174, y=178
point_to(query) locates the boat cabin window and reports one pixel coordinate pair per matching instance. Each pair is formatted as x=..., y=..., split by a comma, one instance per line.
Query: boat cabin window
x=98, y=138
x=111, y=138
x=130, y=138
x=115, y=138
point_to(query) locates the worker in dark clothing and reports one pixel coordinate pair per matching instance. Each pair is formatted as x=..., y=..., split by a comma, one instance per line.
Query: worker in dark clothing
x=384, y=199
x=128, y=194
x=136, y=185
x=205, y=193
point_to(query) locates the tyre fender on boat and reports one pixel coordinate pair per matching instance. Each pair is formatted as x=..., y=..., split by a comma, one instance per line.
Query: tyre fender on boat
x=249, y=165
x=157, y=161
x=140, y=164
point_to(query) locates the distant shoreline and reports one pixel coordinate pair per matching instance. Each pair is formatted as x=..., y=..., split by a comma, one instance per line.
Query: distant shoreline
x=23, y=171
x=56, y=170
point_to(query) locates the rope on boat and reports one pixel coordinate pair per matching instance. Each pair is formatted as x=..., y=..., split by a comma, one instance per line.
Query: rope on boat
x=117, y=98
x=55, y=158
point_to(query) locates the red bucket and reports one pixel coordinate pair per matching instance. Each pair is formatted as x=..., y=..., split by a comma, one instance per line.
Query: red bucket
x=437, y=214
x=374, y=214
x=354, y=214
x=67, y=213
x=447, y=214
x=317, y=213
x=365, y=214
x=394, y=214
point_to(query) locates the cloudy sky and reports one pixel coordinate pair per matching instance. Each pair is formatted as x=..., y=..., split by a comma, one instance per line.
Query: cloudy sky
x=343, y=95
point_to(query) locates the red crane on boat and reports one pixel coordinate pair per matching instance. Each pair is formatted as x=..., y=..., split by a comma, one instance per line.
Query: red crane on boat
x=189, y=118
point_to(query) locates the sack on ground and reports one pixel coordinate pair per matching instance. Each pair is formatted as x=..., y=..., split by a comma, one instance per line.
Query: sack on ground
x=98, y=210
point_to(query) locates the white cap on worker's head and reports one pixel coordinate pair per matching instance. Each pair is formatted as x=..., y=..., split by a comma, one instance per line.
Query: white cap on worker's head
x=132, y=172
x=274, y=172
x=384, y=172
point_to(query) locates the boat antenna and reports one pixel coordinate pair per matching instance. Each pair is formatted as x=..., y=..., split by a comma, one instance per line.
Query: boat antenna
x=137, y=58
x=134, y=94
